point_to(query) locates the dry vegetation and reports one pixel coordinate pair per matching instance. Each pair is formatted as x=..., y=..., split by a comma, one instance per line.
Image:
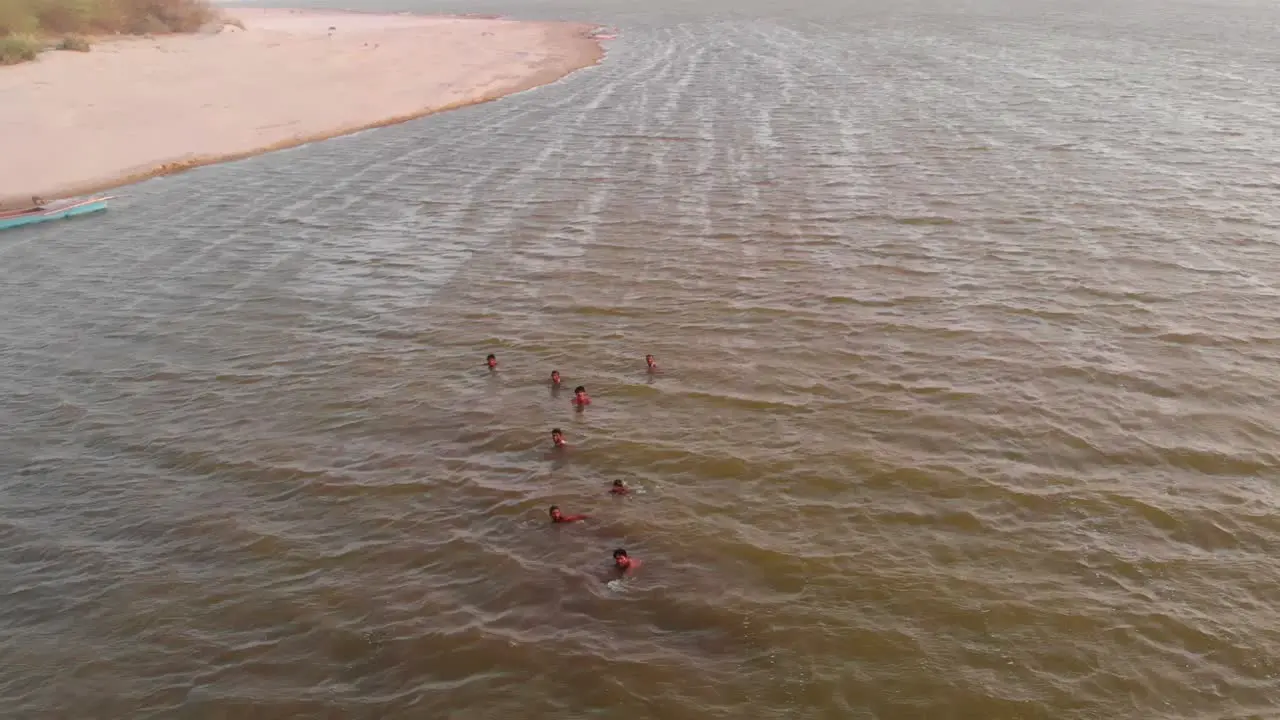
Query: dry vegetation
x=19, y=48
x=29, y=26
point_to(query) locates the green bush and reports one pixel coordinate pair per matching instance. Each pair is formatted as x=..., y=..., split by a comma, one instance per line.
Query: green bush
x=19, y=48
x=63, y=16
x=16, y=18
x=95, y=17
x=75, y=43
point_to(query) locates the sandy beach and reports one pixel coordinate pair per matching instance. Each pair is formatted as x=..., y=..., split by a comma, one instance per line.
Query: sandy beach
x=72, y=122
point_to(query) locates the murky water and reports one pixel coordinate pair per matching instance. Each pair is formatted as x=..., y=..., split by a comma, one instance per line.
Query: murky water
x=969, y=320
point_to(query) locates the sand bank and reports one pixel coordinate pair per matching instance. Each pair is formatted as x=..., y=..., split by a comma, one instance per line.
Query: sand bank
x=73, y=122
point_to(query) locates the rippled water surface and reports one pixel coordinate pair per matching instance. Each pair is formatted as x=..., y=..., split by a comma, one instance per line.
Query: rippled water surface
x=969, y=320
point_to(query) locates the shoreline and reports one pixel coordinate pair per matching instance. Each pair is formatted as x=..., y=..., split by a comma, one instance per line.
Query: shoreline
x=136, y=108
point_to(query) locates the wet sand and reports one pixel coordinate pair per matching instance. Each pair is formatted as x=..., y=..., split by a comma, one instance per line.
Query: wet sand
x=76, y=122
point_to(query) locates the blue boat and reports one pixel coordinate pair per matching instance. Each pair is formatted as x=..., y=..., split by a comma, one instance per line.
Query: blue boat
x=56, y=210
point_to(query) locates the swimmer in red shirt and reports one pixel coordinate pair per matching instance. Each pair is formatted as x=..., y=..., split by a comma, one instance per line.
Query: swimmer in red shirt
x=623, y=562
x=580, y=399
x=492, y=362
x=558, y=517
x=619, y=488
x=557, y=438
x=651, y=363
x=555, y=378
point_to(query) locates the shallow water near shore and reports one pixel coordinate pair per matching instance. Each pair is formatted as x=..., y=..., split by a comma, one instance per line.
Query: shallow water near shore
x=968, y=321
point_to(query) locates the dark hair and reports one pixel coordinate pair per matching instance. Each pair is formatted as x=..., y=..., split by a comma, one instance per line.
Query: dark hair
x=617, y=483
x=556, y=431
x=553, y=509
x=491, y=356
x=555, y=372
x=619, y=553
x=646, y=357
x=579, y=389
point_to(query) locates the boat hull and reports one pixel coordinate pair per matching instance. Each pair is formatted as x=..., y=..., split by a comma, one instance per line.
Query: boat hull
x=55, y=212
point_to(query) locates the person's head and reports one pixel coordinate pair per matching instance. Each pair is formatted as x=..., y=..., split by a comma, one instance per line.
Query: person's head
x=555, y=376
x=580, y=390
x=618, y=484
x=554, y=512
x=491, y=360
x=620, y=558
x=557, y=437
x=648, y=360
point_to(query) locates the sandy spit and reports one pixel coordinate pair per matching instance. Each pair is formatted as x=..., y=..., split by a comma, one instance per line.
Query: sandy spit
x=73, y=123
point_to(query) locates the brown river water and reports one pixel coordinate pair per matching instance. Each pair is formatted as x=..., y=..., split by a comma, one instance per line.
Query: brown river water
x=969, y=317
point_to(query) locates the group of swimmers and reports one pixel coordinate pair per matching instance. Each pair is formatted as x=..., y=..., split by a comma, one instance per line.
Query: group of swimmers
x=622, y=562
